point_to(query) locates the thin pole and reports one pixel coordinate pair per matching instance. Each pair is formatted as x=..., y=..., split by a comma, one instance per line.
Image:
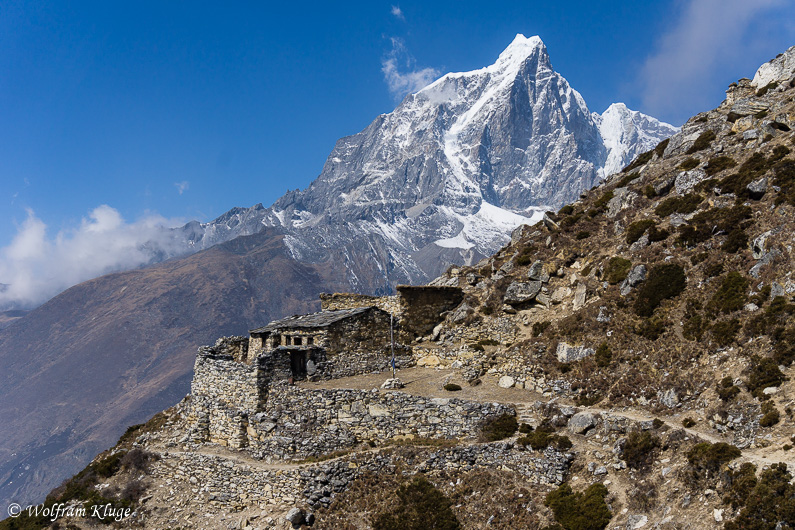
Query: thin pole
x=392, y=340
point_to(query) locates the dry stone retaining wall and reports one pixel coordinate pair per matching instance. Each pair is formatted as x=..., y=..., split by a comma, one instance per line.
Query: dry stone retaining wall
x=298, y=422
x=232, y=483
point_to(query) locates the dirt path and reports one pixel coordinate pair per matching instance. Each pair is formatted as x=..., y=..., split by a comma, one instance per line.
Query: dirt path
x=428, y=382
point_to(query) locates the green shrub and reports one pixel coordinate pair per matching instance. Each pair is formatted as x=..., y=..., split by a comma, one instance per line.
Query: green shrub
x=582, y=234
x=689, y=164
x=718, y=164
x=657, y=423
x=769, y=504
x=713, y=269
x=665, y=281
x=706, y=459
x=784, y=178
x=526, y=257
x=617, y=269
x=499, y=428
x=420, y=506
x=639, y=161
x=525, y=428
x=770, y=415
x=688, y=422
x=656, y=234
x=601, y=203
x=764, y=372
x=693, y=328
x=703, y=141
x=566, y=210
x=685, y=204
x=639, y=449
x=651, y=328
x=753, y=168
x=543, y=437
x=695, y=259
x=603, y=355
x=731, y=294
x=725, y=331
x=660, y=149
x=727, y=390
x=649, y=191
x=637, y=229
x=452, y=387
x=626, y=179
x=716, y=220
x=740, y=485
x=580, y=511
x=540, y=327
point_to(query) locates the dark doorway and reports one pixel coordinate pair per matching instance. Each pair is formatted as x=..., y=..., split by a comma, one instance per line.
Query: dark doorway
x=298, y=364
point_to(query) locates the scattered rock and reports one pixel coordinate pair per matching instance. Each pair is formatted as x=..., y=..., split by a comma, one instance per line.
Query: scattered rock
x=538, y=272
x=769, y=391
x=640, y=244
x=687, y=180
x=717, y=514
x=668, y=398
x=506, y=381
x=662, y=187
x=393, y=384
x=635, y=276
x=429, y=360
x=603, y=315
x=751, y=134
x=757, y=188
x=776, y=290
x=560, y=294
x=580, y=296
x=521, y=292
x=634, y=522
x=296, y=517
x=766, y=259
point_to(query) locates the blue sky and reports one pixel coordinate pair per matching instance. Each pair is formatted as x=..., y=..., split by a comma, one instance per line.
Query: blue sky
x=186, y=109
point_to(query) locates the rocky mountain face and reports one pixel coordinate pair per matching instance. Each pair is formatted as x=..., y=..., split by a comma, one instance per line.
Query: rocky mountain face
x=442, y=179
x=641, y=340
x=452, y=170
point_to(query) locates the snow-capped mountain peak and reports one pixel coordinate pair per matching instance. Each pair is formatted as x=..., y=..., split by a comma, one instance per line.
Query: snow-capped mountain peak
x=627, y=133
x=448, y=174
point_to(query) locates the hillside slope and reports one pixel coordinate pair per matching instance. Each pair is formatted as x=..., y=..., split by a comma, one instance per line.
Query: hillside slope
x=644, y=335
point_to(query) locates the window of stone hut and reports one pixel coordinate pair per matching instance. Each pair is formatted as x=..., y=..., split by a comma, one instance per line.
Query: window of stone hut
x=310, y=341
x=297, y=341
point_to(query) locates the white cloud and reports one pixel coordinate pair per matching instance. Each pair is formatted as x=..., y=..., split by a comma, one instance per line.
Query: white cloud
x=410, y=79
x=679, y=77
x=182, y=187
x=397, y=13
x=35, y=267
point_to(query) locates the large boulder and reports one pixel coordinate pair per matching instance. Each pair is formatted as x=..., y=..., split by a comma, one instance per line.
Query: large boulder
x=581, y=422
x=566, y=353
x=779, y=69
x=521, y=292
x=635, y=276
x=538, y=272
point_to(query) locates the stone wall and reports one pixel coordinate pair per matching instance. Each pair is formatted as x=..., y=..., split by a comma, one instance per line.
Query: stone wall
x=368, y=331
x=300, y=422
x=421, y=308
x=332, y=302
x=233, y=484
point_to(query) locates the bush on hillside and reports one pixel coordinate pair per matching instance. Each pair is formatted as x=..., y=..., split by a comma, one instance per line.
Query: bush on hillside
x=585, y=510
x=420, y=505
x=666, y=280
x=617, y=269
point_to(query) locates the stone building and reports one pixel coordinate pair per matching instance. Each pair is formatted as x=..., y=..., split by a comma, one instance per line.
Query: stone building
x=239, y=379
